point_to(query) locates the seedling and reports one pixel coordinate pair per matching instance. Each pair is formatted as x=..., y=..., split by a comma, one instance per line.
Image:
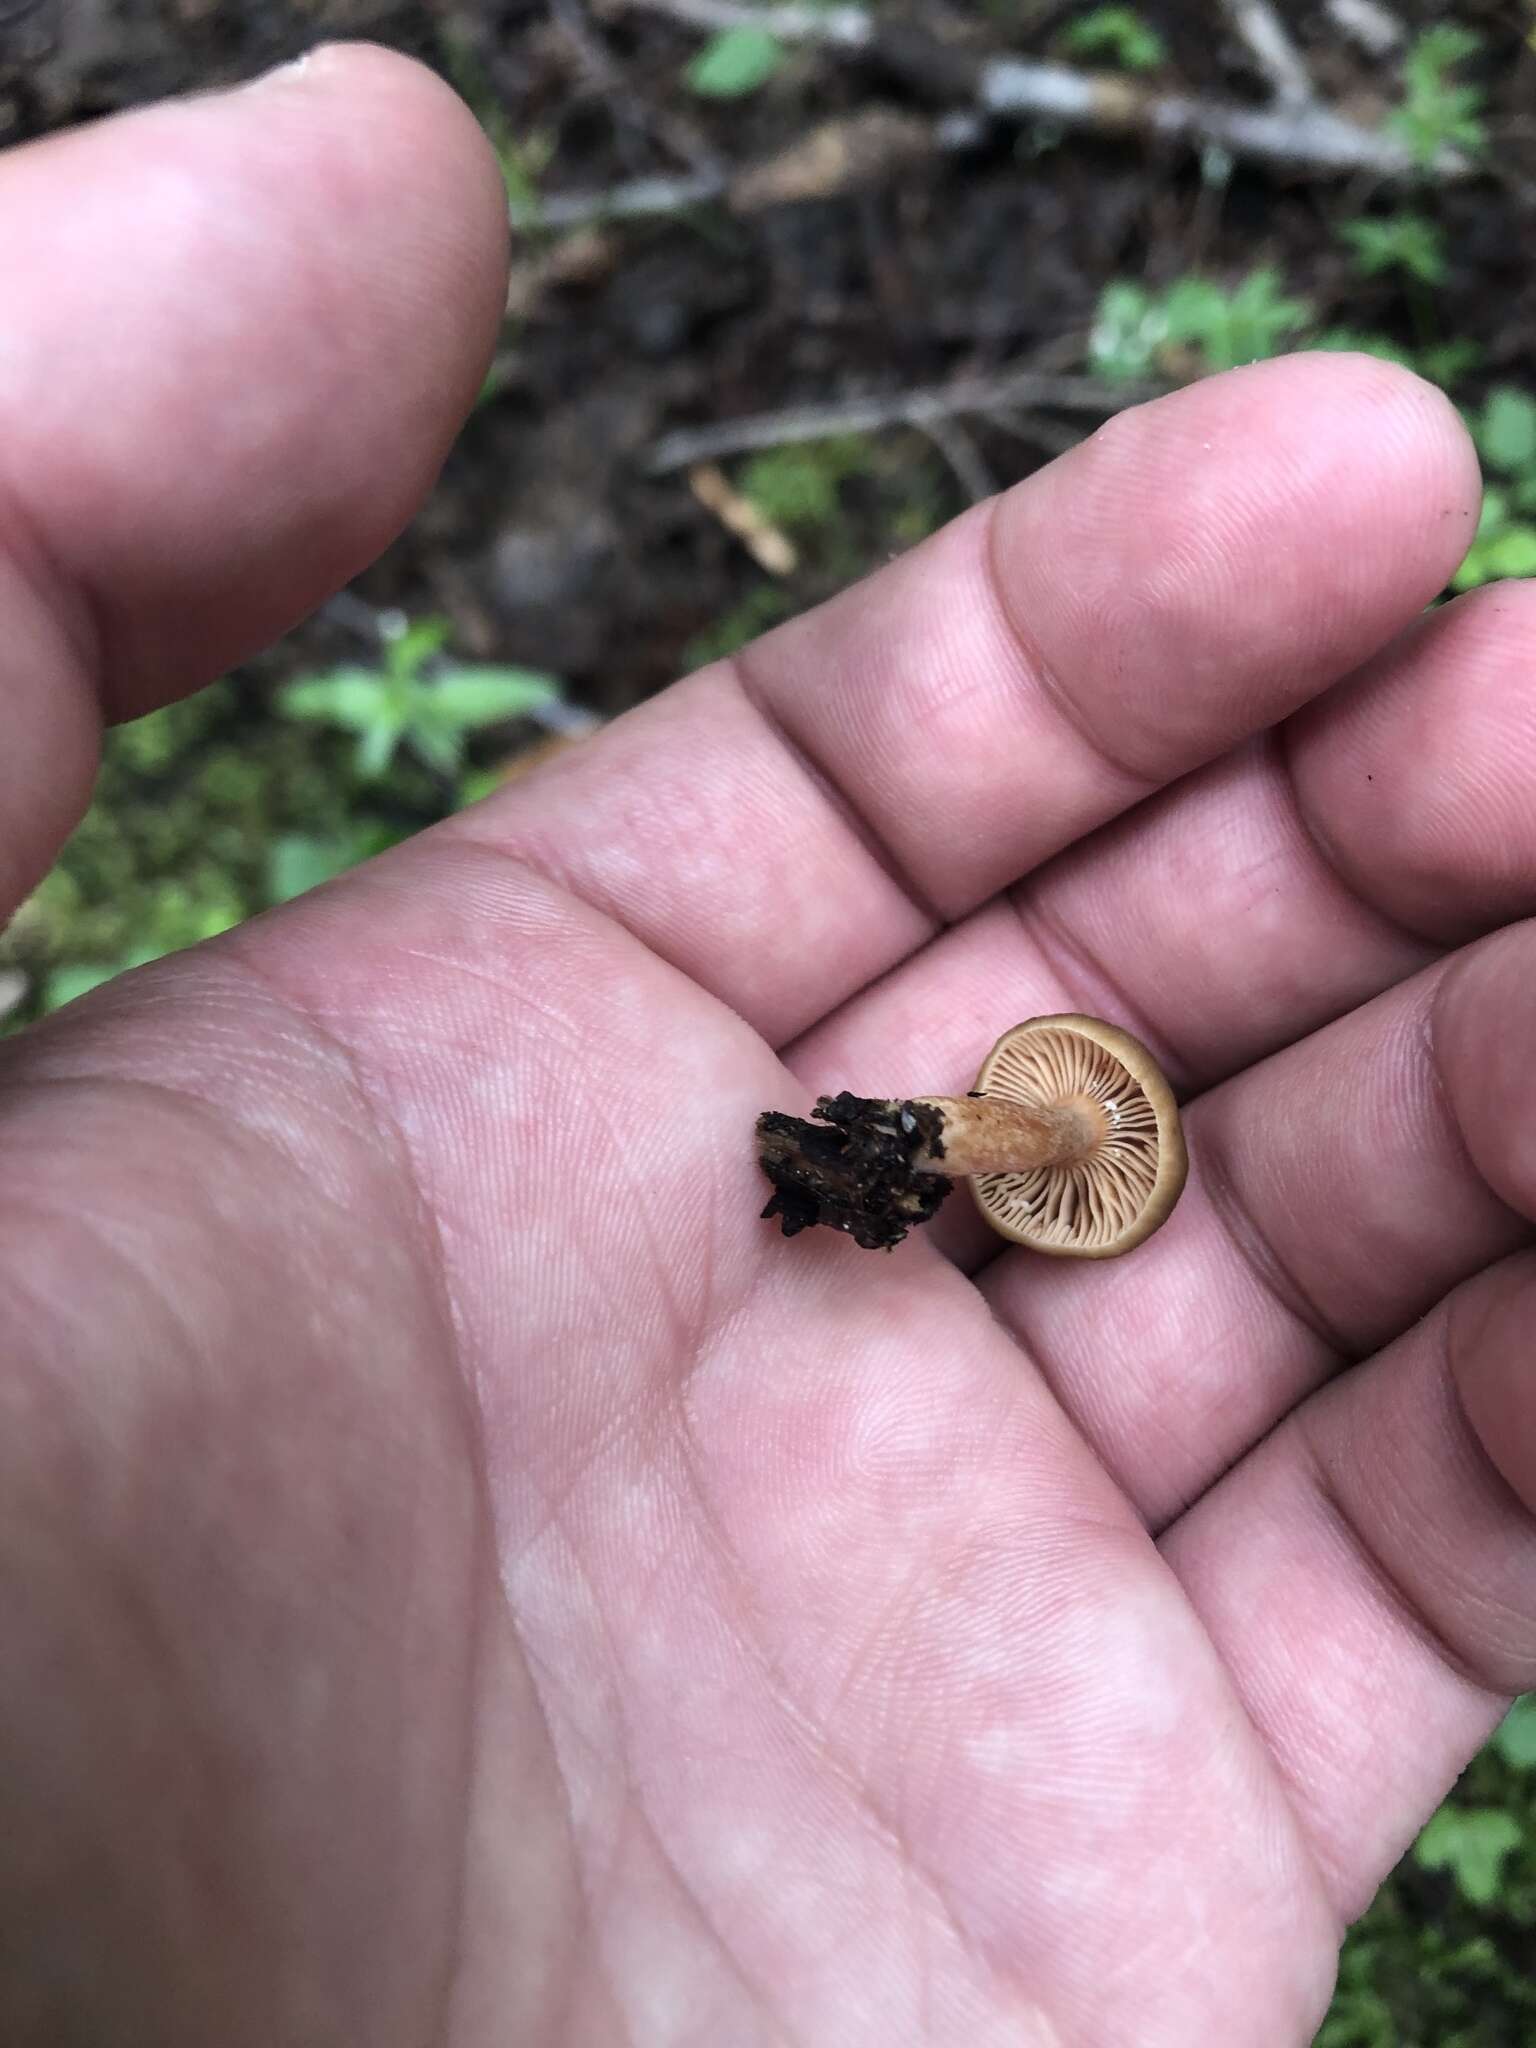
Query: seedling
x=1070, y=1140
x=1515, y=1736
x=797, y=486
x=1195, y=325
x=1116, y=36
x=300, y=861
x=1437, y=112
x=1403, y=242
x=418, y=698
x=1504, y=429
x=1472, y=1843
x=734, y=63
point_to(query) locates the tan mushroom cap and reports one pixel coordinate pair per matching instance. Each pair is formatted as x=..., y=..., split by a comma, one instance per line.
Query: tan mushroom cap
x=1098, y=1207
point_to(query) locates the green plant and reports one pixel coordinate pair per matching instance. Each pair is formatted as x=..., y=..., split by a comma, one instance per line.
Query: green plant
x=1406, y=242
x=523, y=163
x=734, y=63
x=1504, y=429
x=1438, y=113
x=1137, y=332
x=1115, y=35
x=1472, y=1843
x=1515, y=1737
x=416, y=699
x=797, y=486
x=1449, y=363
x=175, y=918
x=299, y=861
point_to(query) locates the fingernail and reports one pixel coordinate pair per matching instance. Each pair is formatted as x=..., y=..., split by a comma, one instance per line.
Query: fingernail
x=294, y=70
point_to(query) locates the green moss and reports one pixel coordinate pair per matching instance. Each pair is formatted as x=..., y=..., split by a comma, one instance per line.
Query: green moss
x=797, y=486
x=177, y=843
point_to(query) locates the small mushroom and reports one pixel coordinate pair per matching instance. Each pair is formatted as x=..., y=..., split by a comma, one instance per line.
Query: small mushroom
x=1070, y=1140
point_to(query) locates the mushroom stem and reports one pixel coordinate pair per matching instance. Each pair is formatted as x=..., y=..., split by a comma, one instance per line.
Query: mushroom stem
x=988, y=1134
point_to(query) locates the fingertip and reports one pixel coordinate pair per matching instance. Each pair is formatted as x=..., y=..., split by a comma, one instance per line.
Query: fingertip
x=394, y=138
x=1491, y=1356
x=1305, y=508
x=1414, y=424
x=290, y=293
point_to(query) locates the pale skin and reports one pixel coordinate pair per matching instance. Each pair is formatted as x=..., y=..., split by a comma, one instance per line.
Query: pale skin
x=463, y=1579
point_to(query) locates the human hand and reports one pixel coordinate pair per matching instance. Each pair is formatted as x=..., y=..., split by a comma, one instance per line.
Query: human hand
x=463, y=1577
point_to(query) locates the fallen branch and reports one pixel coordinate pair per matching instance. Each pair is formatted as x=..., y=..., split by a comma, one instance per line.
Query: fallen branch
x=962, y=455
x=1295, y=137
x=921, y=409
x=1374, y=27
x=830, y=159
x=1299, y=134
x=790, y=22
x=1268, y=42
x=770, y=548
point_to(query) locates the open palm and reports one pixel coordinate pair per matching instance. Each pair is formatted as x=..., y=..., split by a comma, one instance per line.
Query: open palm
x=466, y=1579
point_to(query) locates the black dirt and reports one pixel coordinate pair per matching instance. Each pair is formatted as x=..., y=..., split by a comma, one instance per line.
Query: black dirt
x=852, y=1169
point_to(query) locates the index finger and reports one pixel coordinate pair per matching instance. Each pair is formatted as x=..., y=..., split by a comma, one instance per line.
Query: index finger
x=787, y=826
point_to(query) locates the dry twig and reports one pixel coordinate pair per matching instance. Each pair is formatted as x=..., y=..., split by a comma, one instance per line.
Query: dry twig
x=920, y=409
x=788, y=20
x=1375, y=28
x=963, y=457
x=1298, y=134
x=1268, y=42
x=834, y=157
x=768, y=547
x=1307, y=137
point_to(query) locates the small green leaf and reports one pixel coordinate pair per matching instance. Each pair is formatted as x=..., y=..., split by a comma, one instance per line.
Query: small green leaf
x=1515, y=1736
x=1128, y=329
x=1506, y=431
x=1512, y=553
x=65, y=984
x=1118, y=35
x=1448, y=363
x=1493, y=514
x=734, y=63
x=1248, y=323
x=1472, y=1843
x=1403, y=241
x=440, y=746
x=470, y=697
x=300, y=861
x=407, y=651
x=353, y=698
x=1474, y=570
x=376, y=749
x=475, y=784
x=1437, y=113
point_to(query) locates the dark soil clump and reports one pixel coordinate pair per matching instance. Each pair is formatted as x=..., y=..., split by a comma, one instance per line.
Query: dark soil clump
x=852, y=1169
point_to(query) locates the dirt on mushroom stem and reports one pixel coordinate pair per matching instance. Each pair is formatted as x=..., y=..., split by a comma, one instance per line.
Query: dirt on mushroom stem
x=854, y=1169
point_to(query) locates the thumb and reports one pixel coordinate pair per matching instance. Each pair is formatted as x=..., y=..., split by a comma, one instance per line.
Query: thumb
x=241, y=332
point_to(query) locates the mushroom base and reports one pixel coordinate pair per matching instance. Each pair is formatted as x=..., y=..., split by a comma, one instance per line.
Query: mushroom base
x=852, y=1170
